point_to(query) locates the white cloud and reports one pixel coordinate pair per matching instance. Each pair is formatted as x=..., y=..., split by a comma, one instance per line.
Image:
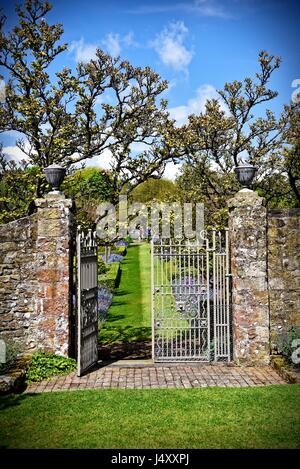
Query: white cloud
x=84, y=52
x=102, y=161
x=14, y=153
x=169, y=44
x=171, y=170
x=112, y=43
x=128, y=39
x=195, y=105
x=210, y=8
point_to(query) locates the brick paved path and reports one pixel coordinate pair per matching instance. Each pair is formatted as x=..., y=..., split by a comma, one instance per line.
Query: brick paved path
x=158, y=376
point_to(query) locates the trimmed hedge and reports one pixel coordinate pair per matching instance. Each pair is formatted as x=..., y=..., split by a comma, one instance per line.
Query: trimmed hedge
x=102, y=267
x=111, y=278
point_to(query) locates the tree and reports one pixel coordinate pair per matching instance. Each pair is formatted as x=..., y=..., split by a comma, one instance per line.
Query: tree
x=17, y=188
x=155, y=190
x=60, y=118
x=88, y=187
x=216, y=140
x=291, y=153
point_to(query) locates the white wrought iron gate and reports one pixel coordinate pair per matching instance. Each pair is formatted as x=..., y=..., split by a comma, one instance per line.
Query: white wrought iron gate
x=87, y=300
x=191, y=300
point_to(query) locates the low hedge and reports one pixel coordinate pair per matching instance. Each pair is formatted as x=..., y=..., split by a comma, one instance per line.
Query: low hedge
x=122, y=250
x=111, y=278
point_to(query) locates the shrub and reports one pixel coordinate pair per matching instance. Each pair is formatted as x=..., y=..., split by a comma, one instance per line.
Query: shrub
x=104, y=301
x=128, y=239
x=111, y=278
x=122, y=250
x=102, y=267
x=121, y=243
x=12, y=350
x=285, y=340
x=45, y=365
x=115, y=258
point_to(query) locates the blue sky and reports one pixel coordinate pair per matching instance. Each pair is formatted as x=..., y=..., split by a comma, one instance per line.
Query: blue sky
x=197, y=45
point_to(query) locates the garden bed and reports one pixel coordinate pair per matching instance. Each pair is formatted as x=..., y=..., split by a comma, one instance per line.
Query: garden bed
x=108, y=279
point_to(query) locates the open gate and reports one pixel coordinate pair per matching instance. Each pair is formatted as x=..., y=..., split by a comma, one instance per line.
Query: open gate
x=191, y=299
x=87, y=300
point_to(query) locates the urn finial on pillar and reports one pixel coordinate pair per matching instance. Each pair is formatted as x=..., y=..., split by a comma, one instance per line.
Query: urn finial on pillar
x=55, y=175
x=245, y=174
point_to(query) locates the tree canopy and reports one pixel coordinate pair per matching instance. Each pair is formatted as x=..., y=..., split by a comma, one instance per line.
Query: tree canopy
x=107, y=104
x=66, y=118
x=228, y=131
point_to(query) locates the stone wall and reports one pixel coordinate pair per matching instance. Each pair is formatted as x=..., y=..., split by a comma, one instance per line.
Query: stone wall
x=283, y=270
x=36, y=276
x=18, y=282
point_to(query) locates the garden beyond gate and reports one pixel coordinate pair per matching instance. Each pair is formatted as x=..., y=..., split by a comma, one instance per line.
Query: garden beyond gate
x=87, y=300
x=191, y=311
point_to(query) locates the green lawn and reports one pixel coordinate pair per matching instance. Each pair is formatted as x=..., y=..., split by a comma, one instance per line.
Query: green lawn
x=261, y=417
x=129, y=317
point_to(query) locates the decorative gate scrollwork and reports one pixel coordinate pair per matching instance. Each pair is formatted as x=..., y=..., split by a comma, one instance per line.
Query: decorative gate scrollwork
x=87, y=300
x=191, y=299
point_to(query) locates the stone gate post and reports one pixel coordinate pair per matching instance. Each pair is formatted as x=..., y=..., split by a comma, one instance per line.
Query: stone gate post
x=54, y=273
x=250, y=306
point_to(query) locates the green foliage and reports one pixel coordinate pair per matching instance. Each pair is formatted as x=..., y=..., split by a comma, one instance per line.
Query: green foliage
x=122, y=250
x=128, y=239
x=111, y=278
x=291, y=154
x=45, y=365
x=161, y=190
x=102, y=267
x=19, y=186
x=88, y=187
x=12, y=351
x=284, y=342
x=195, y=184
x=94, y=184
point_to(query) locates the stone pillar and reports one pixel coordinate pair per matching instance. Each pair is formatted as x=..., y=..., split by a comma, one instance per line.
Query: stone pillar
x=250, y=306
x=54, y=273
